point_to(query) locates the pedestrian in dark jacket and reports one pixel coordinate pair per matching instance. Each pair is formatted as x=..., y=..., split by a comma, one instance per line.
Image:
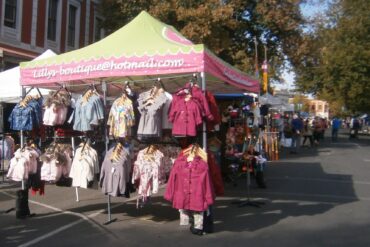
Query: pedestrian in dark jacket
x=297, y=127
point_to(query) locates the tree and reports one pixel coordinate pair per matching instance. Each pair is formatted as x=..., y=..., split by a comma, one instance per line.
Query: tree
x=227, y=27
x=336, y=65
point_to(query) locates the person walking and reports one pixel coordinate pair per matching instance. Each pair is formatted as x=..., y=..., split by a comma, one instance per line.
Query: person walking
x=335, y=126
x=354, y=127
x=307, y=133
x=297, y=127
x=317, y=129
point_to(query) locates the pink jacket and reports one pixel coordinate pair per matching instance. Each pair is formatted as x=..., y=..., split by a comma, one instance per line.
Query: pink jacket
x=55, y=115
x=189, y=185
x=185, y=116
x=198, y=94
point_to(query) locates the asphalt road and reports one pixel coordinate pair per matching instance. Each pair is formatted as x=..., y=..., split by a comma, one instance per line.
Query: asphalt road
x=319, y=197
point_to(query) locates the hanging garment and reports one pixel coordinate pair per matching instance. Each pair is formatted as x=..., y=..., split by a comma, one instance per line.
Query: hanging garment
x=165, y=123
x=186, y=116
x=56, y=162
x=18, y=167
x=211, y=124
x=88, y=114
x=26, y=117
x=84, y=166
x=150, y=124
x=170, y=153
x=32, y=156
x=115, y=173
x=7, y=145
x=148, y=169
x=190, y=186
x=121, y=118
x=216, y=176
x=23, y=164
x=56, y=108
x=198, y=96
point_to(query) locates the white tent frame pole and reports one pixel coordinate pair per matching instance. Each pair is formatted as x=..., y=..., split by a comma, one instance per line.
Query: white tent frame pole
x=23, y=93
x=104, y=89
x=203, y=77
x=73, y=143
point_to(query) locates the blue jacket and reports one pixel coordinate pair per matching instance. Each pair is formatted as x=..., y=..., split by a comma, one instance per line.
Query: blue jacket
x=297, y=124
x=336, y=123
x=26, y=118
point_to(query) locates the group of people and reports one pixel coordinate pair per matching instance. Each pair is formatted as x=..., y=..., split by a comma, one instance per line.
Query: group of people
x=314, y=129
x=296, y=128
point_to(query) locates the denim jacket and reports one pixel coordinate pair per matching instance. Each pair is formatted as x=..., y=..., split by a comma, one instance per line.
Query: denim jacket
x=26, y=118
x=88, y=113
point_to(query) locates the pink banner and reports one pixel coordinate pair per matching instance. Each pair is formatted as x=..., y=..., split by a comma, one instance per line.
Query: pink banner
x=217, y=68
x=114, y=67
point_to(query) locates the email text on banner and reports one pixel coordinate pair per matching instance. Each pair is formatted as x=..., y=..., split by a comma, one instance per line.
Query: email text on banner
x=106, y=66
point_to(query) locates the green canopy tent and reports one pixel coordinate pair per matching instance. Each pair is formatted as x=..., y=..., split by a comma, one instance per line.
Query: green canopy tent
x=142, y=50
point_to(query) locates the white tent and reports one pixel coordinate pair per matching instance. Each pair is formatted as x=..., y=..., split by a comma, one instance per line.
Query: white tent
x=268, y=99
x=283, y=107
x=10, y=89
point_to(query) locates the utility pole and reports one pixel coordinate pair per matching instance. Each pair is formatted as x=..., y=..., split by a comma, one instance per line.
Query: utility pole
x=265, y=69
x=256, y=56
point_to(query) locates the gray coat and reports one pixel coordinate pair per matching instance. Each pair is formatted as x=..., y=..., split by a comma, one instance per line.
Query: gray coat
x=115, y=174
x=150, y=124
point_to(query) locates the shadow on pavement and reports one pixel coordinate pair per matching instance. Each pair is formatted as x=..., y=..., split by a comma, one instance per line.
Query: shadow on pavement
x=294, y=189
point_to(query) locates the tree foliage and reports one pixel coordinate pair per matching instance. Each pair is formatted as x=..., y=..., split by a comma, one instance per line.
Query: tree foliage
x=335, y=65
x=227, y=27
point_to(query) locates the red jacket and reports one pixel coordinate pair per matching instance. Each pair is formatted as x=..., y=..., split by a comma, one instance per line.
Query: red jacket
x=214, y=111
x=198, y=94
x=189, y=185
x=216, y=175
x=185, y=116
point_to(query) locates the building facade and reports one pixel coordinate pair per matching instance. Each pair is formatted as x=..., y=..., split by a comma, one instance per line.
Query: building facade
x=284, y=95
x=319, y=108
x=29, y=27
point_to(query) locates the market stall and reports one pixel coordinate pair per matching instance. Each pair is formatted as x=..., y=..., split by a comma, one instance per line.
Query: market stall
x=152, y=58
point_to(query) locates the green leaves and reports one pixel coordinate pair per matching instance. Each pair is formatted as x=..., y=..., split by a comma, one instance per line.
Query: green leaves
x=225, y=27
x=341, y=51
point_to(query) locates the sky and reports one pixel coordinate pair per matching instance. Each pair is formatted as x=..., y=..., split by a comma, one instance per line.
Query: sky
x=310, y=9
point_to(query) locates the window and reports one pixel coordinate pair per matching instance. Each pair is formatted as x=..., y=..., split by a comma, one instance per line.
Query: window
x=52, y=19
x=72, y=25
x=10, y=16
x=320, y=107
x=313, y=107
x=97, y=31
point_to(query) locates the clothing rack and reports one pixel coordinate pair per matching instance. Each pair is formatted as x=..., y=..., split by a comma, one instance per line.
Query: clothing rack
x=104, y=89
x=248, y=201
x=157, y=142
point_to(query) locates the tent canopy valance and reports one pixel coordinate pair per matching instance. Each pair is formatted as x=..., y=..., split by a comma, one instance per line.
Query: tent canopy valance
x=142, y=50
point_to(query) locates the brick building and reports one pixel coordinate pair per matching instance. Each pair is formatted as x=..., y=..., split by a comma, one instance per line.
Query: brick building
x=29, y=27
